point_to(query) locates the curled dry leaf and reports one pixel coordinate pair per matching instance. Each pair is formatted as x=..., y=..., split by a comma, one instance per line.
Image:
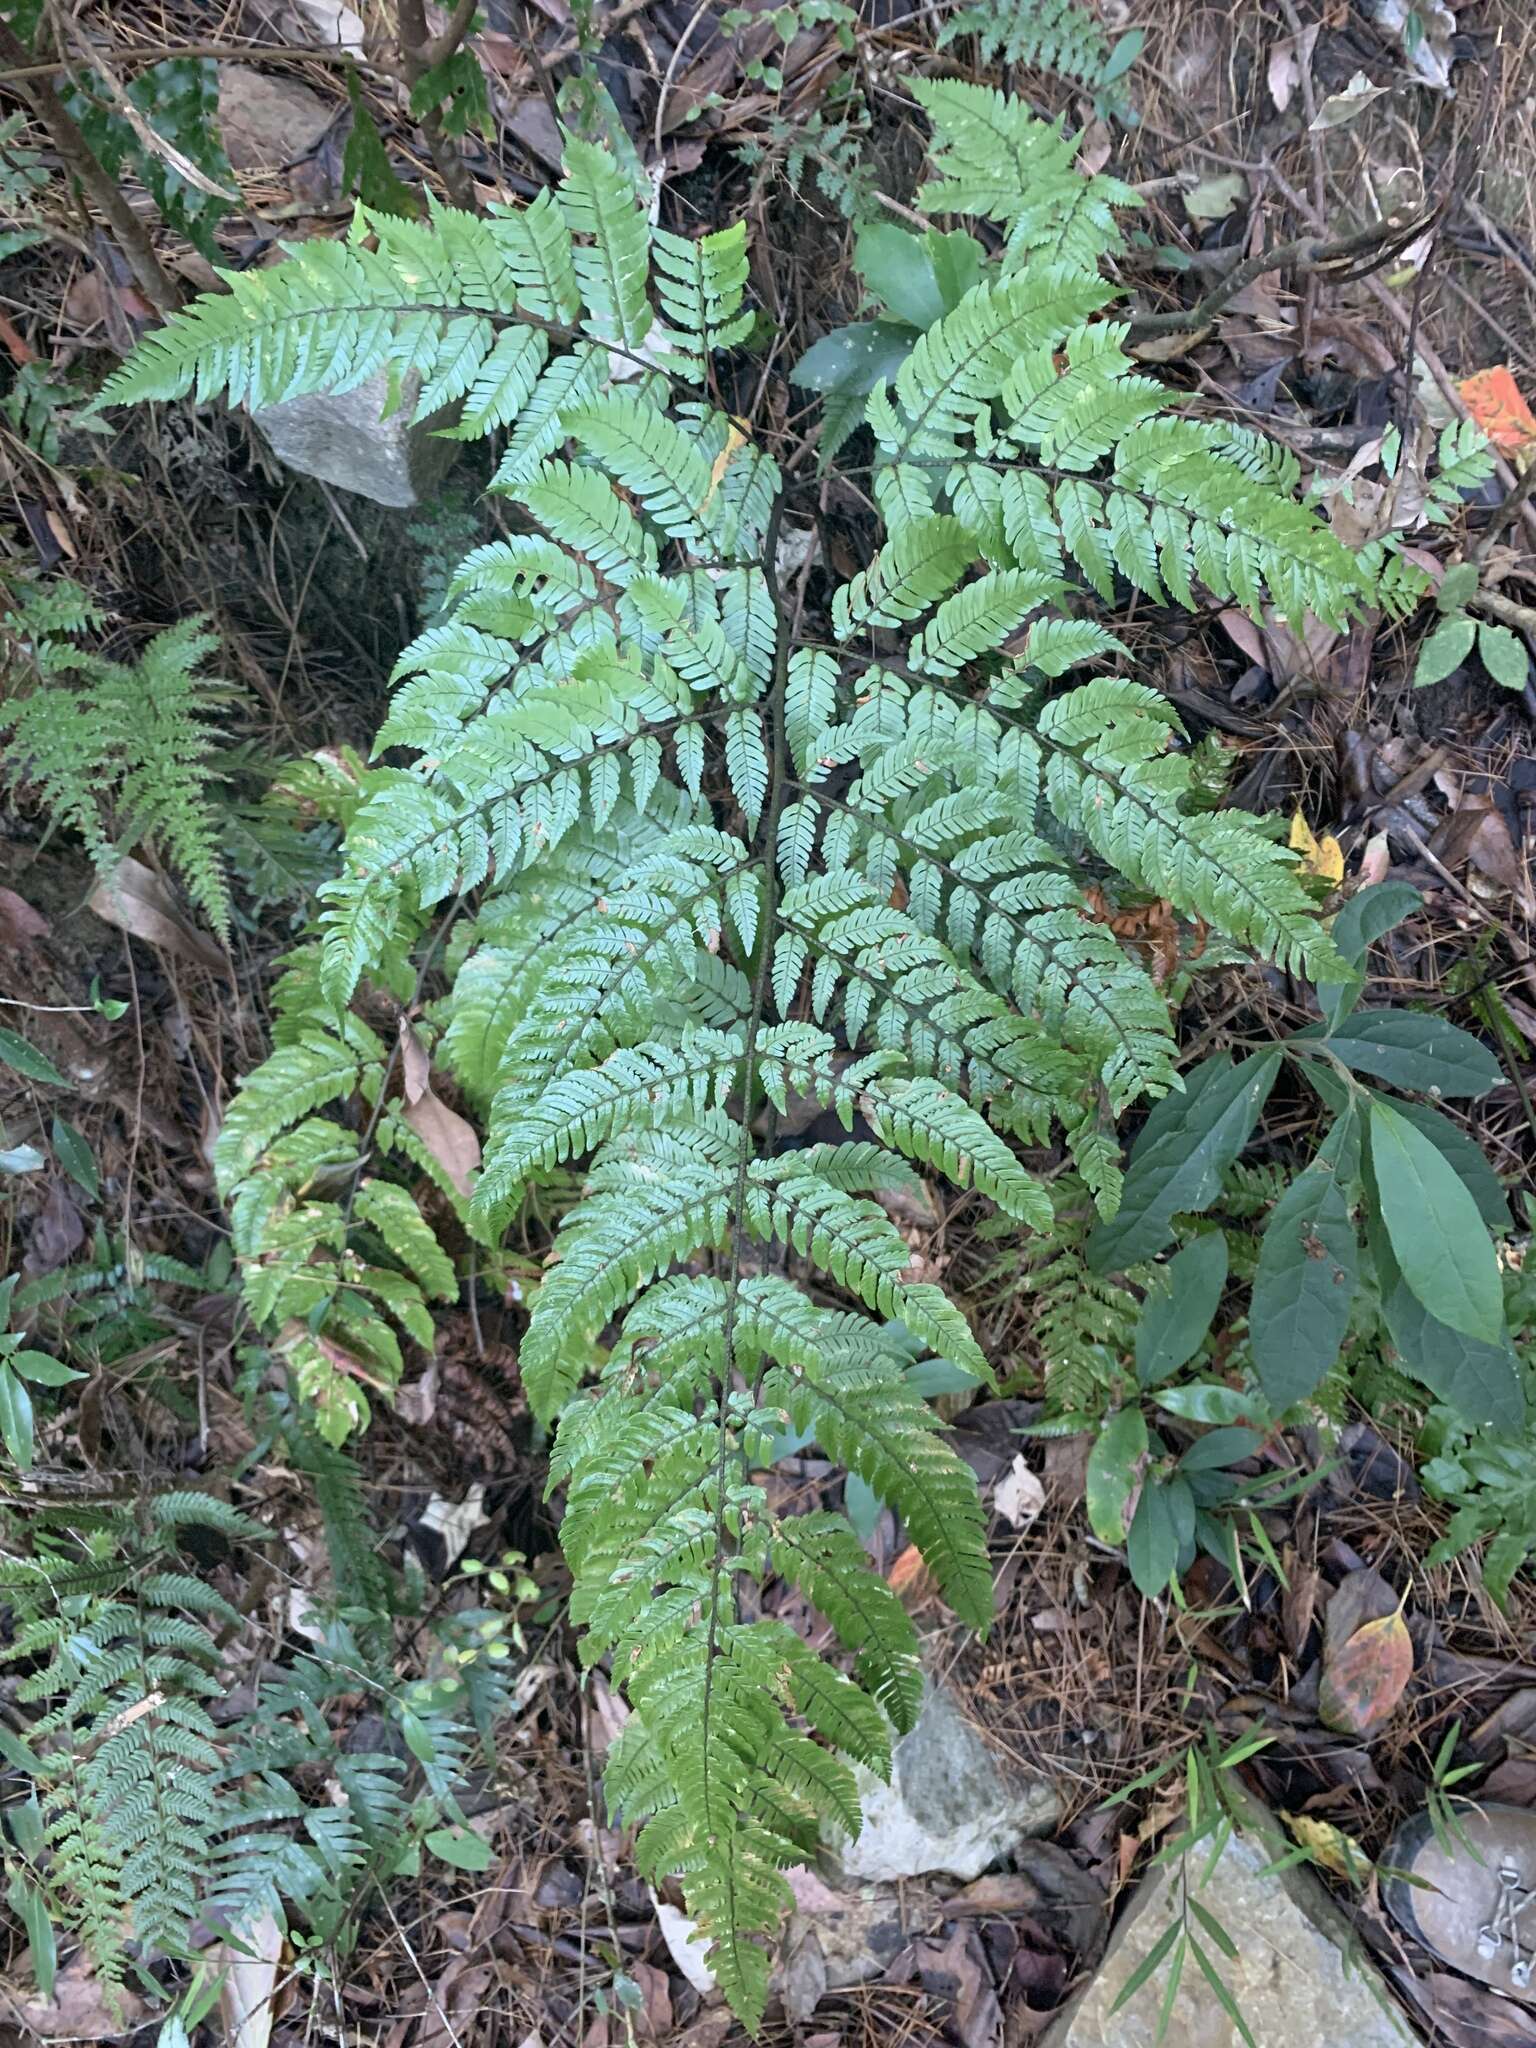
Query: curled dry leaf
x=134, y=898
x=1020, y=1495
x=447, y=1136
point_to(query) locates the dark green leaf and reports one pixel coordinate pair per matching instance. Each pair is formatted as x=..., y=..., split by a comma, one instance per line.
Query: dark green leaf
x=1148, y=1963
x=1177, y=1162
x=1481, y=1182
x=1482, y=1382
x=15, y=1418
x=1152, y=1546
x=1174, y=1322
x=1415, y=1051
x=26, y=1059
x=461, y=1847
x=957, y=259
x=1308, y=1265
x=1221, y=1447
x=456, y=89
x=418, y=1737
x=1224, y=1996
x=17, y=1755
x=366, y=170
x=897, y=269
x=1366, y=917
x=851, y=361
x=1440, y=1242
x=1114, y=1471
x=76, y=1157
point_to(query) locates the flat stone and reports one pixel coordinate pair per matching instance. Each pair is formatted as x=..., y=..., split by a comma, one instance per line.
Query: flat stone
x=1299, y=1976
x=268, y=122
x=953, y=1803
x=341, y=438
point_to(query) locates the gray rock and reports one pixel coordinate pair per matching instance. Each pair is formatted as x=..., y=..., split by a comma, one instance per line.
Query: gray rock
x=1299, y=1975
x=267, y=122
x=953, y=1802
x=341, y=438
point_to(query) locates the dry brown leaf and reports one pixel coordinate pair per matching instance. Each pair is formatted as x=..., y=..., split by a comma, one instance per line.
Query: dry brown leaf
x=82, y=2008
x=250, y=1982
x=447, y=1136
x=1289, y=60
x=20, y=924
x=910, y=1579
x=134, y=898
x=1363, y=1680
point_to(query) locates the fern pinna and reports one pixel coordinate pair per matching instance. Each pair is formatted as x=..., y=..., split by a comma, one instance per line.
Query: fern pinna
x=682, y=868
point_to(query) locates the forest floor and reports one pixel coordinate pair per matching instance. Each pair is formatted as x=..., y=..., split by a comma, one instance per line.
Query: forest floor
x=313, y=591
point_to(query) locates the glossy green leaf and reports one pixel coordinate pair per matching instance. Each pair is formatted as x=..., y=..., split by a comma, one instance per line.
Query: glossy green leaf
x=1457, y=585
x=1177, y=1162
x=1152, y=1544
x=1220, y=1447
x=1114, y=1471
x=22, y=1058
x=957, y=260
x=1482, y=1382
x=1210, y=1401
x=1466, y=1156
x=1438, y=1238
x=1308, y=1266
x=16, y=1418
x=1174, y=1320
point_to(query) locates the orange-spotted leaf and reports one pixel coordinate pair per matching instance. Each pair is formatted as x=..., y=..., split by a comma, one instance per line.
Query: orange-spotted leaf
x=1324, y=857
x=1365, y=1676
x=1496, y=404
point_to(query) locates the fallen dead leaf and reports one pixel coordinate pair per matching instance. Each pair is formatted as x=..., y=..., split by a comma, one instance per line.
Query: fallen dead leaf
x=20, y=924
x=1290, y=58
x=1331, y=1847
x=910, y=1579
x=1020, y=1495
x=134, y=898
x=1323, y=857
x=1364, y=1677
x=250, y=1981
x=82, y=2008
x=1498, y=406
x=450, y=1138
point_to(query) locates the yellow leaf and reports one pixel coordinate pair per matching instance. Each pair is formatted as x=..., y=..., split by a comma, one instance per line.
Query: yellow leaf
x=1331, y=1847
x=734, y=439
x=1324, y=857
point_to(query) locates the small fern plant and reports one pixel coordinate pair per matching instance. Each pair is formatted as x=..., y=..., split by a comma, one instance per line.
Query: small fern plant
x=667, y=864
x=122, y=752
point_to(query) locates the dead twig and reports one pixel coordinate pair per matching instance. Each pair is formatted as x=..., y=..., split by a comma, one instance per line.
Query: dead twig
x=81, y=161
x=420, y=54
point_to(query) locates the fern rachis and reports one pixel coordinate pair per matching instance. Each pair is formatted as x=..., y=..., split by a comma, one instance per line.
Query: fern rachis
x=683, y=867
